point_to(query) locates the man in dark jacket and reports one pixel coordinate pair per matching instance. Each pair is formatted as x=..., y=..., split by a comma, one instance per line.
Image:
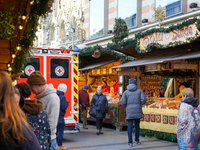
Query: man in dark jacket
x=62, y=88
x=85, y=98
x=133, y=98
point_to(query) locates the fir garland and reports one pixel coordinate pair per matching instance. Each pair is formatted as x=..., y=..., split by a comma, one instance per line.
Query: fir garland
x=120, y=30
x=39, y=8
x=159, y=135
x=166, y=30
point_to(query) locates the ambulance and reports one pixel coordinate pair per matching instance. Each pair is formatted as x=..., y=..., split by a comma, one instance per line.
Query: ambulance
x=57, y=66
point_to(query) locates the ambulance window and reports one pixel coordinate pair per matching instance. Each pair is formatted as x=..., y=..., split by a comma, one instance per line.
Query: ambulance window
x=59, y=68
x=32, y=65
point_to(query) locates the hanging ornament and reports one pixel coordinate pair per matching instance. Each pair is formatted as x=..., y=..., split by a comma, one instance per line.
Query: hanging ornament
x=96, y=54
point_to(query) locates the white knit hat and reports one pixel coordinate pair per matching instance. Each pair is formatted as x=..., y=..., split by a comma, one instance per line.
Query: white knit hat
x=62, y=87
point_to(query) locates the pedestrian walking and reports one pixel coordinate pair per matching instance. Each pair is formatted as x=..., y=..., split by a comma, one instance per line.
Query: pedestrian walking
x=85, y=98
x=100, y=103
x=47, y=95
x=133, y=98
x=15, y=132
x=188, y=122
x=36, y=116
x=62, y=88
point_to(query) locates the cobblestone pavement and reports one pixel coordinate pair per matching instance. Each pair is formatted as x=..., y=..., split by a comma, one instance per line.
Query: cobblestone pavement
x=111, y=140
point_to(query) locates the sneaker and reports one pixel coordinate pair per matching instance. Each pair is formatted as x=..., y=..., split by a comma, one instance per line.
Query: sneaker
x=101, y=132
x=130, y=144
x=98, y=133
x=85, y=127
x=62, y=147
x=138, y=142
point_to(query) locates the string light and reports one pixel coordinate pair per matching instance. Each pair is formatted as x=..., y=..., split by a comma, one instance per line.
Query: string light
x=20, y=27
x=18, y=47
x=9, y=69
x=13, y=56
x=31, y=2
x=8, y=65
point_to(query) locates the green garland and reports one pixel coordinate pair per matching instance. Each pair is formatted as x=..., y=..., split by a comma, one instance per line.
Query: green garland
x=7, y=19
x=39, y=8
x=120, y=30
x=115, y=112
x=159, y=135
x=166, y=30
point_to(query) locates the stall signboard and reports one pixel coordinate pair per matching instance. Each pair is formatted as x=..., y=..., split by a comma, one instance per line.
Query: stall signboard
x=164, y=38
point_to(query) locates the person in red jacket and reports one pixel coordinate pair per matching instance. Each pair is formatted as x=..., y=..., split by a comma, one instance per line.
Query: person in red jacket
x=85, y=98
x=105, y=88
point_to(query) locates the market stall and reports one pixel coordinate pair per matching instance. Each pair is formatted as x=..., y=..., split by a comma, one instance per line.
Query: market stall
x=171, y=54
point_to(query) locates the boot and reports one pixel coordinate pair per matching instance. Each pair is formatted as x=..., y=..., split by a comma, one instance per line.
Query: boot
x=100, y=131
x=62, y=147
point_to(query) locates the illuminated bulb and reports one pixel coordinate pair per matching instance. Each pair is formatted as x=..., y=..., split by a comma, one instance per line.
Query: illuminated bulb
x=32, y=2
x=23, y=17
x=9, y=69
x=13, y=56
x=18, y=47
x=8, y=65
x=20, y=27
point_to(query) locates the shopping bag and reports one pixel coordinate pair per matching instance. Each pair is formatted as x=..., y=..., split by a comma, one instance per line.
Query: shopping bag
x=92, y=111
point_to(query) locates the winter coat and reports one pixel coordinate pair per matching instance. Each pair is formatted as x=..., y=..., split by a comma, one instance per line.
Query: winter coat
x=37, y=118
x=51, y=103
x=84, y=96
x=63, y=103
x=188, y=124
x=31, y=142
x=133, y=98
x=106, y=89
x=101, y=103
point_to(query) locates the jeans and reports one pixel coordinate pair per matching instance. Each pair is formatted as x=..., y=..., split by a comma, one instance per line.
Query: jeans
x=53, y=144
x=137, y=130
x=84, y=116
x=60, y=129
x=99, y=123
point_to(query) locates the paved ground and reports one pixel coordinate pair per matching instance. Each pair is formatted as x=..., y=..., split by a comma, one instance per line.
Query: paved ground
x=111, y=140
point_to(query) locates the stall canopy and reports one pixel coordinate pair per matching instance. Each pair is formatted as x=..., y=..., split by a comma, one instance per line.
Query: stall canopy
x=152, y=59
x=96, y=65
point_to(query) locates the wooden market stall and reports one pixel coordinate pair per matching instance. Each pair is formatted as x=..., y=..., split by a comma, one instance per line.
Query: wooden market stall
x=164, y=54
x=97, y=71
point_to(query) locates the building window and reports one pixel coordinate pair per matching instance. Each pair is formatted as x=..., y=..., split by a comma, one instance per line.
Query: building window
x=127, y=10
x=172, y=6
x=96, y=18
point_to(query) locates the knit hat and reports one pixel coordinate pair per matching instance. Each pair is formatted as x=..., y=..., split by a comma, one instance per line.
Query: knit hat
x=86, y=86
x=132, y=81
x=62, y=87
x=36, y=78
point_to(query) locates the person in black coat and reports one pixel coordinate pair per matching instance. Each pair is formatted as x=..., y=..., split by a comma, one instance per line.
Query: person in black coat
x=100, y=102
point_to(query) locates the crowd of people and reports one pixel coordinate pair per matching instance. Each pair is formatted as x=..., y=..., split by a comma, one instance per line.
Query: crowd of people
x=32, y=124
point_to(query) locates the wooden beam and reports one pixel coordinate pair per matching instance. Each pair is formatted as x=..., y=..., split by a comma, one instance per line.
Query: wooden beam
x=128, y=73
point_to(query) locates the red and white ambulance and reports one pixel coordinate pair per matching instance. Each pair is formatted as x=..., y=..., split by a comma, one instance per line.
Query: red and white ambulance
x=57, y=66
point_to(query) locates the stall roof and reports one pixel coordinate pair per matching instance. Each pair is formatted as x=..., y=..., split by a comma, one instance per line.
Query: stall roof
x=152, y=59
x=96, y=65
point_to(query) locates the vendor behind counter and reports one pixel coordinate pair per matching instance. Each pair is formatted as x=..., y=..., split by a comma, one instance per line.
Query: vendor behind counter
x=105, y=87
